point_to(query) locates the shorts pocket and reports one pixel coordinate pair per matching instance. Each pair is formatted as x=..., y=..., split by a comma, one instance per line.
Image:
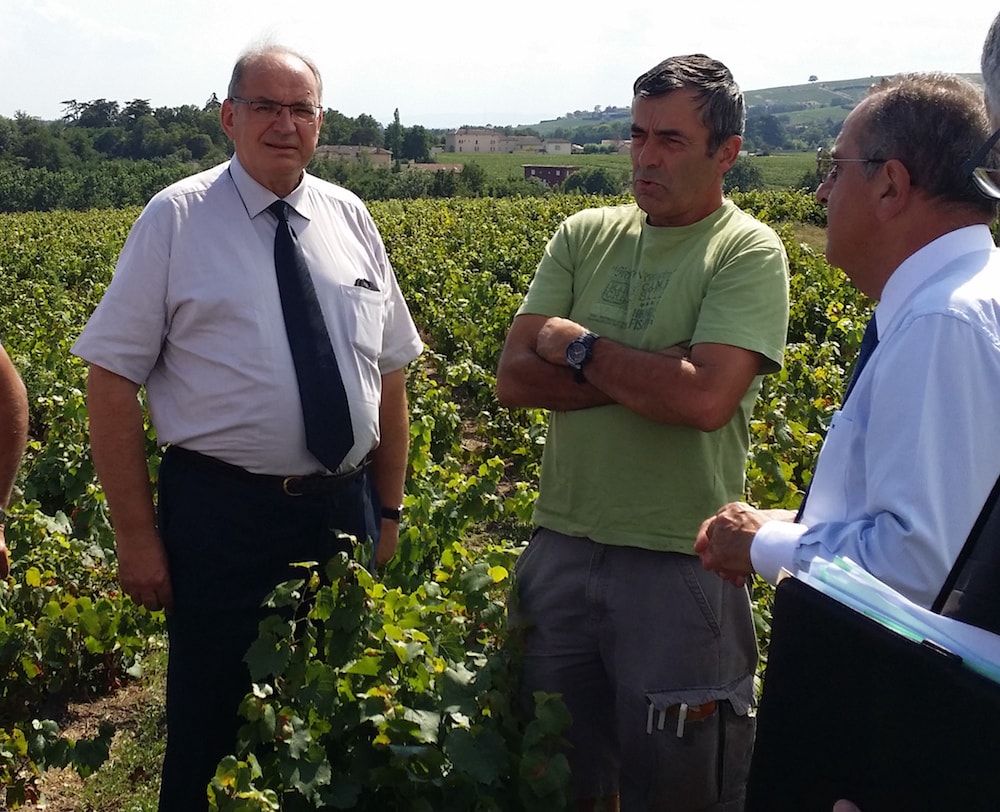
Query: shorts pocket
x=702, y=746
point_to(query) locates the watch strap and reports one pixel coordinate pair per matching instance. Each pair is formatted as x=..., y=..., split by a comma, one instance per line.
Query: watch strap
x=587, y=342
x=392, y=514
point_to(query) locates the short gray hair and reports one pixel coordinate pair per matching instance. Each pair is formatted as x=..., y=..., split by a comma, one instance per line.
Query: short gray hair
x=257, y=52
x=895, y=126
x=991, y=71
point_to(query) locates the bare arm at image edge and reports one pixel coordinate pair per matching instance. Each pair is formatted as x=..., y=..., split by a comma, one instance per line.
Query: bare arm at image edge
x=14, y=434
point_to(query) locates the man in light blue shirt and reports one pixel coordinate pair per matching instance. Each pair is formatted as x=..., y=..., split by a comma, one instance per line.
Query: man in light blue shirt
x=913, y=453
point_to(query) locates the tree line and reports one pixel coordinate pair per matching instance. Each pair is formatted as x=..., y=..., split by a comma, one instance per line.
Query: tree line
x=765, y=131
x=102, y=154
x=106, y=130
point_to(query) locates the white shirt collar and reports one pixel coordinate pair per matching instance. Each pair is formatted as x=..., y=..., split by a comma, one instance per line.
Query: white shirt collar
x=921, y=266
x=256, y=198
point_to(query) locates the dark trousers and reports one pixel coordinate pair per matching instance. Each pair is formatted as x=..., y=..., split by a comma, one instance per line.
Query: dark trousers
x=230, y=537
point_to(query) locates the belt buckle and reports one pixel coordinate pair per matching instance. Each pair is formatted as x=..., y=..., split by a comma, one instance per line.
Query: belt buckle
x=285, y=483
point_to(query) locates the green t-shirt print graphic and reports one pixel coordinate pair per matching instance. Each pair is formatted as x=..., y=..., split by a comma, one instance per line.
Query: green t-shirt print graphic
x=631, y=298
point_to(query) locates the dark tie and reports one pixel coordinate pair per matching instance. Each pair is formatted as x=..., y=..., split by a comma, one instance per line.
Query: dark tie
x=868, y=343
x=325, y=409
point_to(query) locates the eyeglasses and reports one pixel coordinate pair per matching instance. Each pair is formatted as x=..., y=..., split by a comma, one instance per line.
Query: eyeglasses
x=987, y=178
x=266, y=108
x=826, y=164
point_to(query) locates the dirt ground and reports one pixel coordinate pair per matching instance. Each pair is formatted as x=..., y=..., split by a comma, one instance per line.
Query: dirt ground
x=61, y=787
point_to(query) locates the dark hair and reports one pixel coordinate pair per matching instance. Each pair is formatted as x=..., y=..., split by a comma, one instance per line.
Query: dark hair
x=255, y=53
x=720, y=99
x=931, y=123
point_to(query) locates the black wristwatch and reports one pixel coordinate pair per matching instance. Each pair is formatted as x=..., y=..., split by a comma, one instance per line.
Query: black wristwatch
x=392, y=514
x=579, y=352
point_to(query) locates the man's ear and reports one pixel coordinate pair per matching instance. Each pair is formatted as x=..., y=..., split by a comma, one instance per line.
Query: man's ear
x=226, y=118
x=729, y=151
x=894, y=188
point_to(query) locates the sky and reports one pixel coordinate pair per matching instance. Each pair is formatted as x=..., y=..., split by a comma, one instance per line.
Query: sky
x=445, y=65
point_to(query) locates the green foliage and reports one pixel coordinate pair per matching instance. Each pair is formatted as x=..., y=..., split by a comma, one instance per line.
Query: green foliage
x=419, y=675
x=38, y=745
x=597, y=180
x=65, y=628
x=373, y=698
x=745, y=175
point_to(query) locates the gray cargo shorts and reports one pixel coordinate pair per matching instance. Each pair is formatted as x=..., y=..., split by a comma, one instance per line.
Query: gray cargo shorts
x=653, y=656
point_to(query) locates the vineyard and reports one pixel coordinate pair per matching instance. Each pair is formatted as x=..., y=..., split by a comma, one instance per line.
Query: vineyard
x=388, y=692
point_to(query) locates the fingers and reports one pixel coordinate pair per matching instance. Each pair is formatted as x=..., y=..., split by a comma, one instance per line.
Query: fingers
x=734, y=578
x=148, y=600
x=153, y=596
x=701, y=541
x=710, y=554
x=152, y=601
x=387, y=543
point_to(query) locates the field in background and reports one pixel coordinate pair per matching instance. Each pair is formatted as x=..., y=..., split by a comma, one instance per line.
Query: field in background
x=422, y=686
x=781, y=170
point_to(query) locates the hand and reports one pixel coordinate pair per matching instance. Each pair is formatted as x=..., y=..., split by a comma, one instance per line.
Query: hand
x=553, y=338
x=143, y=572
x=388, y=541
x=723, y=541
x=4, y=556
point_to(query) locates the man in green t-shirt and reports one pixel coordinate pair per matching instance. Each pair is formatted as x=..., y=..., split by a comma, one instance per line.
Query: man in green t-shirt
x=645, y=331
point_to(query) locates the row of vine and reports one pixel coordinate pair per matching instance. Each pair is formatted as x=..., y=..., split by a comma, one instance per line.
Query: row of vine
x=377, y=693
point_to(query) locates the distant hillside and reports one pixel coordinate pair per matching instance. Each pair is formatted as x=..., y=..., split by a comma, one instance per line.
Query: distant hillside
x=796, y=104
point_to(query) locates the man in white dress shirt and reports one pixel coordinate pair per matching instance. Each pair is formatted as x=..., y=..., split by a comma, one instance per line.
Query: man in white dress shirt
x=911, y=456
x=193, y=313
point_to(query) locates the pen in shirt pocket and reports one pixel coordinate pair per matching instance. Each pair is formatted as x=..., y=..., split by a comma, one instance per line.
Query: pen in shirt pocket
x=364, y=283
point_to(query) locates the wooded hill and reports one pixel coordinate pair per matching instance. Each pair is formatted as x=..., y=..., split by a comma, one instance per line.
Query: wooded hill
x=789, y=117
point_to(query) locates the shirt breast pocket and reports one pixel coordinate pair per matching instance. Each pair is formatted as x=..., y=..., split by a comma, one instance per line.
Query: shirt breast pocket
x=363, y=314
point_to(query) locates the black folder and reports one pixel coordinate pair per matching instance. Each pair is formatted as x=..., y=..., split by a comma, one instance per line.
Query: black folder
x=851, y=709
x=971, y=592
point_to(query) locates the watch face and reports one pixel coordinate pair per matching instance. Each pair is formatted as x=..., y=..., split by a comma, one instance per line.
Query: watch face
x=576, y=352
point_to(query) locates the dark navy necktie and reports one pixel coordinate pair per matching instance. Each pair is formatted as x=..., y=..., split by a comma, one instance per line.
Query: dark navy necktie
x=868, y=343
x=325, y=409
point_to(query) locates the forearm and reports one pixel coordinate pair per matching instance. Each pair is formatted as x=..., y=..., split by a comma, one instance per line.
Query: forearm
x=13, y=425
x=527, y=380
x=389, y=460
x=118, y=443
x=117, y=438
x=700, y=387
x=388, y=467
x=661, y=387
